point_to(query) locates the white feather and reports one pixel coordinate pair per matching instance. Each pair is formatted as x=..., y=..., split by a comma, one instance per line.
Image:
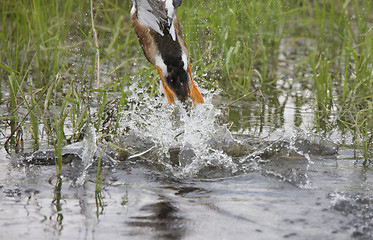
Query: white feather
x=185, y=61
x=170, y=8
x=172, y=31
x=145, y=16
x=159, y=62
x=170, y=14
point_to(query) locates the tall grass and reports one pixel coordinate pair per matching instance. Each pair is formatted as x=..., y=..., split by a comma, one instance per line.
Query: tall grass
x=234, y=41
x=344, y=75
x=234, y=45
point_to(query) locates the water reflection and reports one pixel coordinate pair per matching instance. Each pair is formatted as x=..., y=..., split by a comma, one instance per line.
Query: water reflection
x=100, y=204
x=258, y=117
x=164, y=217
x=56, y=203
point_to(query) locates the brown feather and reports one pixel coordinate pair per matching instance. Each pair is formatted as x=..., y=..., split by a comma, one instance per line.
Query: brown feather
x=180, y=36
x=146, y=41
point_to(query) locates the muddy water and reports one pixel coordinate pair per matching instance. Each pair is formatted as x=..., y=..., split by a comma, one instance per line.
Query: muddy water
x=181, y=174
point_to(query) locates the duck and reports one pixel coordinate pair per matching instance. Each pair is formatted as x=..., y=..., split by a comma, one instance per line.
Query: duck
x=161, y=39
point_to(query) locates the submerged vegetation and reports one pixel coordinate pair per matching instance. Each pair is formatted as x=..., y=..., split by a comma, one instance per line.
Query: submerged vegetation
x=63, y=62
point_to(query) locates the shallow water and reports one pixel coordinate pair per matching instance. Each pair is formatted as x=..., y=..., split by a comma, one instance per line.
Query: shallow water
x=181, y=174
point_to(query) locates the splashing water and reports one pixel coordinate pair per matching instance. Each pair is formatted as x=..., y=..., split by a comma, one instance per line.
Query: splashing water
x=191, y=142
x=89, y=150
x=192, y=132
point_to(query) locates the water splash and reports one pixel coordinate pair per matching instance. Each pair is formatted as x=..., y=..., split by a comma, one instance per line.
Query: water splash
x=192, y=142
x=188, y=139
x=356, y=205
x=89, y=151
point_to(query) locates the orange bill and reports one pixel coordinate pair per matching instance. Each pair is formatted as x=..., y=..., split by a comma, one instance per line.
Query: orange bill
x=167, y=90
x=195, y=95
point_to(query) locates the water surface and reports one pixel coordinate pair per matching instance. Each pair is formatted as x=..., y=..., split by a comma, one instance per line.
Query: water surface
x=184, y=175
